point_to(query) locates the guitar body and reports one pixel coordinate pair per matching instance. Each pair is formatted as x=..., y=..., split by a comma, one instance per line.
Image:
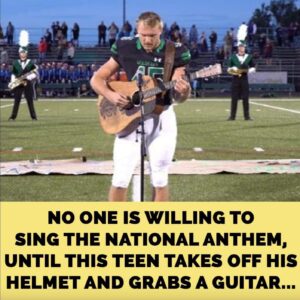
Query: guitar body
x=115, y=120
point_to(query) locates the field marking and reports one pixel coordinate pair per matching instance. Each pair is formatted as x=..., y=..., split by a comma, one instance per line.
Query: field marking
x=77, y=149
x=8, y=105
x=259, y=149
x=189, y=99
x=276, y=107
x=17, y=149
x=12, y=104
x=252, y=99
x=47, y=100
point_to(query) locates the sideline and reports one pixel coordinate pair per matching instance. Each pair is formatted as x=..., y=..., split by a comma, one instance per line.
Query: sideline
x=276, y=107
x=189, y=100
x=47, y=100
x=10, y=105
x=255, y=99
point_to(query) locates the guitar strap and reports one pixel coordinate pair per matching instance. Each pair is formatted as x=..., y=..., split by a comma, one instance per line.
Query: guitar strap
x=168, y=67
x=169, y=60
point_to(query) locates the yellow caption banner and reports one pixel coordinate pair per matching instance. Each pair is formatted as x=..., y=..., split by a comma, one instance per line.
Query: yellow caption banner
x=91, y=250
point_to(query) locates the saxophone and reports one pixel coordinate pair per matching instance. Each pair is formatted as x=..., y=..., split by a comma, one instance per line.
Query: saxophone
x=238, y=72
x=20, y=80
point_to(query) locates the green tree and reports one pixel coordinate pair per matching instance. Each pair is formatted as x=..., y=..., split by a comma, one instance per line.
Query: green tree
x=261, y=17
x=284, y=11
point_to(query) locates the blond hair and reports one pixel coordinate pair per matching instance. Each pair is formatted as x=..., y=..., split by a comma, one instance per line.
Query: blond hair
x=150, y=19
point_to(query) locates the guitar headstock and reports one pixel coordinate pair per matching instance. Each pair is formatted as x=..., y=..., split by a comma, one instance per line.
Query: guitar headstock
x=209, y=71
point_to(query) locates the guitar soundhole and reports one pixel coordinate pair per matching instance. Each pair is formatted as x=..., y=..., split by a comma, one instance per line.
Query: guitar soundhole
x=136, y=100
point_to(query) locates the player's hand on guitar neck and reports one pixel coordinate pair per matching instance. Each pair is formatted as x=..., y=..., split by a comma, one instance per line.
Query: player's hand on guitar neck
x=182, y=86
x=182, y=90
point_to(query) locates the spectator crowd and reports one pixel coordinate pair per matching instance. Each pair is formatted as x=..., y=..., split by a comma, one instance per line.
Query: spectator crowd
x=61, y=40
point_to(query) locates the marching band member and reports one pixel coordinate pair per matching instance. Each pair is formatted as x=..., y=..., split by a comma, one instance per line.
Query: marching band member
x=24, y=72
x=240, y=64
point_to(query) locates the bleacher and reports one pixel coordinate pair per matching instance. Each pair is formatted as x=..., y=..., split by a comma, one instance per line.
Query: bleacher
x=84, y=55
x=96, y=55
x=284, y=59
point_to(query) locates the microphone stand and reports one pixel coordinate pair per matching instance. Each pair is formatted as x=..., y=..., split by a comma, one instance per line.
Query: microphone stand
x=142, y=132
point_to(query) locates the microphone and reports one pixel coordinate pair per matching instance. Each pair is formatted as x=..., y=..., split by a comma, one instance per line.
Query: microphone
x=139, y=80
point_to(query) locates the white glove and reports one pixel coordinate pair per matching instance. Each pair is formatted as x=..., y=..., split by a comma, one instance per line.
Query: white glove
x=251, y=70
x=31, y=76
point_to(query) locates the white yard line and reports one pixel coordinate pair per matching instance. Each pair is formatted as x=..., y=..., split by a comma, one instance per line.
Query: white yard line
x=276, y=107
x=191, y=100
x=10, y=105
x=46, y=100
x=255, y=99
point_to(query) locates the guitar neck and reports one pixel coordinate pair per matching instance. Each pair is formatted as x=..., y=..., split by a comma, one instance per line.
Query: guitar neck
x=164, y=86
x=159, y=89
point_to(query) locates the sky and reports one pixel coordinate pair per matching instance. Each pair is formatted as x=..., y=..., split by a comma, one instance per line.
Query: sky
x=206, y=14
x=88, y=13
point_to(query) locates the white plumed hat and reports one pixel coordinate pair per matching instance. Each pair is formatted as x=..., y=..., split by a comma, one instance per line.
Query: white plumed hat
x=23, y=41
x=241, y=35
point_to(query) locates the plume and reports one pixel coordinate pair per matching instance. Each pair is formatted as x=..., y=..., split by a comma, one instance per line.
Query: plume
x=24, y=38
x=242, y=32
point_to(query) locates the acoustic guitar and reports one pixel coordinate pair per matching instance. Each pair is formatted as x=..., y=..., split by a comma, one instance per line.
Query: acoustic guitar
x=122, y=121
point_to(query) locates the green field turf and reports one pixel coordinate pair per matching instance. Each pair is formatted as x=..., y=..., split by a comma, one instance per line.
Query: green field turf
x=64, y=125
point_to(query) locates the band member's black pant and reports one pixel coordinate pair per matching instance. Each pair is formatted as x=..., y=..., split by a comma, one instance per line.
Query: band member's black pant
x=239, y=90
x=29, y=95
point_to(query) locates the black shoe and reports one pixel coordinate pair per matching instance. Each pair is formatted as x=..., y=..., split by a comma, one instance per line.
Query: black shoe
x=248, y=119
x=230, y=119
x=34, y=119
x=11, y=119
